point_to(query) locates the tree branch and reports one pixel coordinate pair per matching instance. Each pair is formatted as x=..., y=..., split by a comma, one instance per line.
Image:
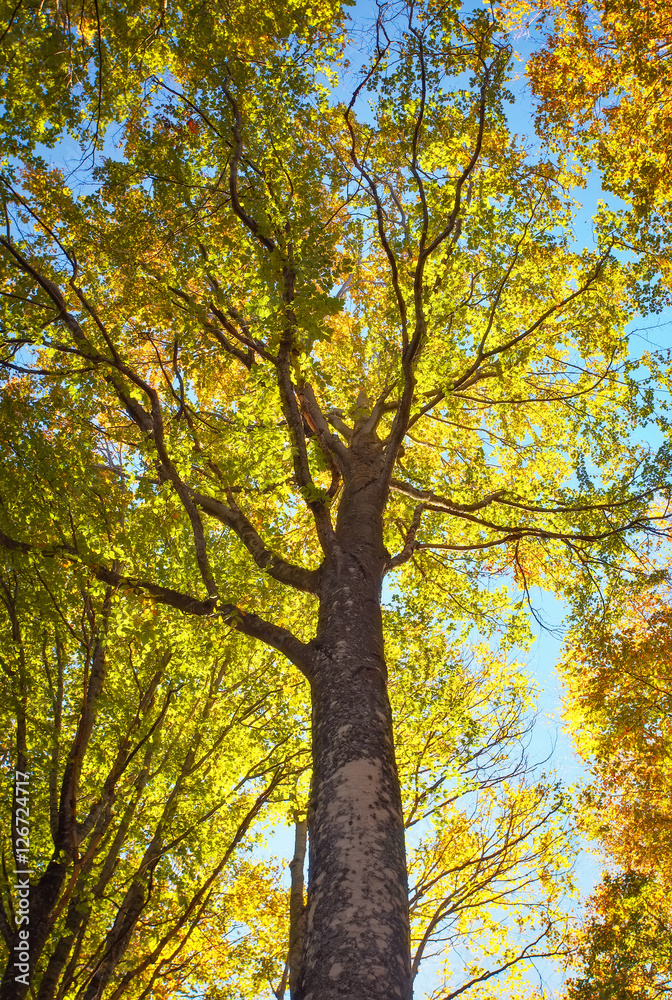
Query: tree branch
x=440, y=503
x=232, y=516
x=330, y=443
x=246, y=623
x=246, y=219
x=409, y=541
x=525, y=953
x=290, y=407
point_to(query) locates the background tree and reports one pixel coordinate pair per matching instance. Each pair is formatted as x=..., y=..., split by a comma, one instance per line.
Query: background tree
x=602, y=78
x=490, y=847
x=317, y=335
x=619, y=702
x=152, y=748
x=624, y=945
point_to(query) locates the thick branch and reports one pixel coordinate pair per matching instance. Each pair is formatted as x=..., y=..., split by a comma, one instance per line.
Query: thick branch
x=276, y=636
x=409, y=540
x=248, y=624
x=232, y=516
x=246, y=219
x=150, y=424
x=253, y=345
x=413, y=347
x=440, y=503
x=330, y=443
x=509, y=532
x=514, y=534
x=317, y=505
x=373, y=190
x=499, y=497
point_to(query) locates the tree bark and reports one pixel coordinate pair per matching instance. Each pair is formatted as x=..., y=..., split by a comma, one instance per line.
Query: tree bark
x=357, y=926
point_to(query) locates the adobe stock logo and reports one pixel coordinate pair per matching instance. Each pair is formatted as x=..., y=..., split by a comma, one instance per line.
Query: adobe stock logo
x=21, y=844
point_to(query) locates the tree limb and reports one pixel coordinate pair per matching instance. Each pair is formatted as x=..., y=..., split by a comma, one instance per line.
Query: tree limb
x=246, y=623
x=232, y=516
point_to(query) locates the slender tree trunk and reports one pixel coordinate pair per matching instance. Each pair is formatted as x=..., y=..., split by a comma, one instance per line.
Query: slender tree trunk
x=357, y=926
x=297, y=909
x=117, y=939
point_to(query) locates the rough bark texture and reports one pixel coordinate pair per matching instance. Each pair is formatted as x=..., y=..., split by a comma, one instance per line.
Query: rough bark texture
x=357, y=927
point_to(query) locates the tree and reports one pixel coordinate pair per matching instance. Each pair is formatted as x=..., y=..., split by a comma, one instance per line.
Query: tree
x=146, y=892
x=624, y=948
x=148, y=818
x=618, y=703
x=317, y=333
x=152, y=750
x=619, y=700
x=602, y=80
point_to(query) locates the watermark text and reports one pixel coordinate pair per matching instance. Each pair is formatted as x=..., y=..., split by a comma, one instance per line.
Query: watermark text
x=21, y=843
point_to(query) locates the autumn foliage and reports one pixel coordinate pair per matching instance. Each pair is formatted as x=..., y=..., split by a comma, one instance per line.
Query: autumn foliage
x=619, y=707
x=307, y=385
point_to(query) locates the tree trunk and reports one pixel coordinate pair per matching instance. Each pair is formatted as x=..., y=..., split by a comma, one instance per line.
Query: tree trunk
x=357, y=927
x=297, y=908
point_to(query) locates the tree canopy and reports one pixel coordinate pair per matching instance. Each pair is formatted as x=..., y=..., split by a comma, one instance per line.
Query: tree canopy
x=307, y=384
